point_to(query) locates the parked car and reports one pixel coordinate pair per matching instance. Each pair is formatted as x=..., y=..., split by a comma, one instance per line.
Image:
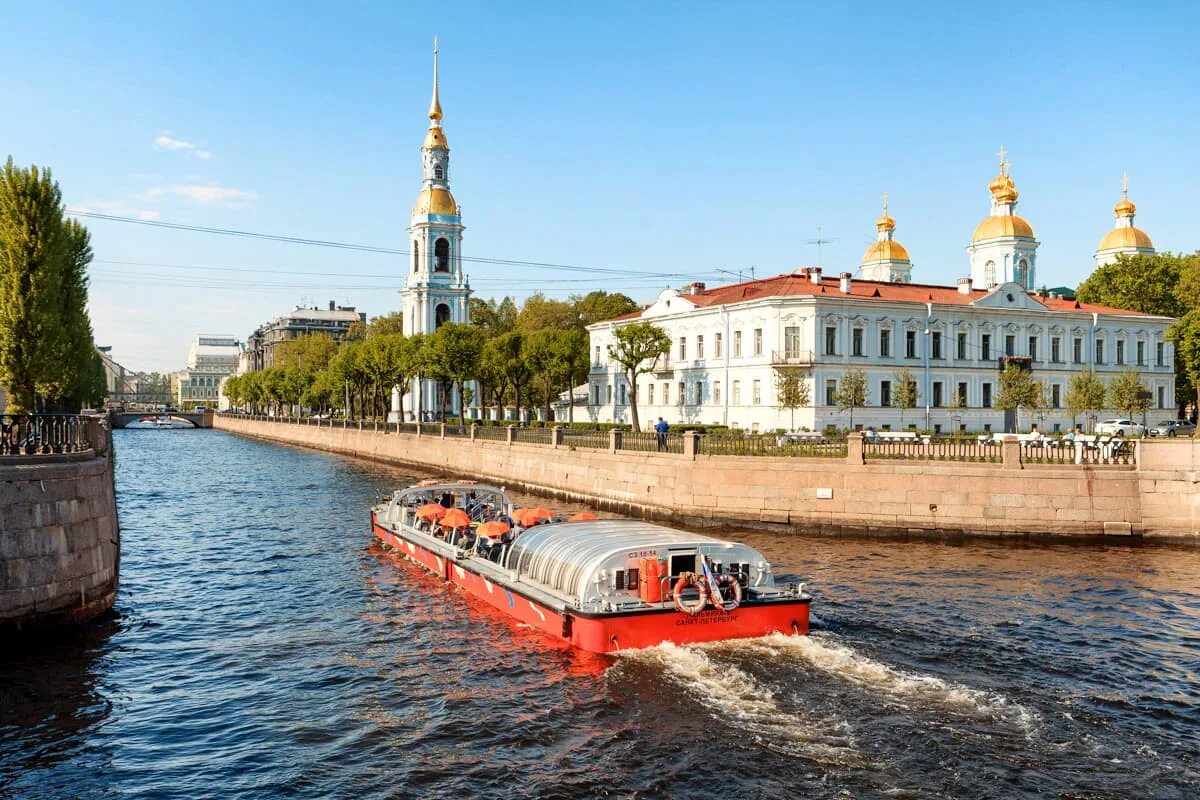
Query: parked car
x=1174, y=427
x=1125, y=427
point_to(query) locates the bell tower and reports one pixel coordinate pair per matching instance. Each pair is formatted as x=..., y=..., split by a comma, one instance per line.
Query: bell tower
x=435, y=291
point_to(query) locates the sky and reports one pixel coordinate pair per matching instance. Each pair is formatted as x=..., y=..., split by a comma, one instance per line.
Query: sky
x=672, y=141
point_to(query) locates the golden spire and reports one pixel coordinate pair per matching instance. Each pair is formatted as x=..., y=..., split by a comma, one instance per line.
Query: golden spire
x=1125, y=207
x=1002, y=187
x=885, y=223
x=435, y=106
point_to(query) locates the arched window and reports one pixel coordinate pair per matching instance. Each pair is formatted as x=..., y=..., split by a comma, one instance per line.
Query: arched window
x=441, y=314
x=989, y=273
x=438, y=172
x=416, y=256
x=1023, y=273
x=441, y=255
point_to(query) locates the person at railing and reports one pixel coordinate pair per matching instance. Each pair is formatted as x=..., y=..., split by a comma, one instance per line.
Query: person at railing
x=660, y=429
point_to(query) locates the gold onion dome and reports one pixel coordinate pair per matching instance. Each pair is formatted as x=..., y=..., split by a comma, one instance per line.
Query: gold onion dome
x=887, y=250
x=1003, y=189
x=1002, y=227
x=885, y=223
x=435, y=201
x=1124, y=208
x=435, y=139
x=1125, y=237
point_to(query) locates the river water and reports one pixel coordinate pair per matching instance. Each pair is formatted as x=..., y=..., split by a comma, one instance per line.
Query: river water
x=263, y=647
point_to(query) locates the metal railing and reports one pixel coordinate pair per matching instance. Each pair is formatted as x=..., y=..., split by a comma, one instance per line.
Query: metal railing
x=44, y=434
x=647, y=442
x=533, y=435
x=459, y=431
x=597, y=440
x=948, y=448
x=717, y=444
x=493, y=432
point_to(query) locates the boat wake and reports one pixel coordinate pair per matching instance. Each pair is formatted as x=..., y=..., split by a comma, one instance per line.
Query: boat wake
x=741, y=701
x=826, y=654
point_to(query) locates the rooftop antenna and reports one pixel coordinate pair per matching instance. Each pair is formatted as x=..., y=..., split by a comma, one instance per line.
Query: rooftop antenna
x=818, y=242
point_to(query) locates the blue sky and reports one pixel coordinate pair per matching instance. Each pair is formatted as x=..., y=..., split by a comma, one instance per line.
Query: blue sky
x=667, y=137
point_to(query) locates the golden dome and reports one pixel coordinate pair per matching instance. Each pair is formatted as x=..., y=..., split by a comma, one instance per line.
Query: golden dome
x=435, y=139
x=1002, y=227
x=435, y=201
x=1124, y=208
x=1125, y=237
x=885, y=223
x=1003, y=189
x=886, y=250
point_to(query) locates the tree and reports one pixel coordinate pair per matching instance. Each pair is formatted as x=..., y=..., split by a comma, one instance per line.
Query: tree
x=958, y=402
x=792, y=390
x=851, y=392
x=540, y=313
x=1186, y=335
x=495, y=318
x=503, y=364
x=599, y=306
x=454, y=351
x=1127, y=393
x=1085, y=394
x=636, y=347
x=1143, y=283
x=548, y=353
x=1018, y=390
x=904, y=392
x=388, y=323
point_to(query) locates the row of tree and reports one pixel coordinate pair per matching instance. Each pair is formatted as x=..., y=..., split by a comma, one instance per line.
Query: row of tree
x=518, y=358
x=48, y=359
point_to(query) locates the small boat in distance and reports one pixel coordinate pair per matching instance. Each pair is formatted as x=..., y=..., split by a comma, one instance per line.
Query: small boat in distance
x=602, y=585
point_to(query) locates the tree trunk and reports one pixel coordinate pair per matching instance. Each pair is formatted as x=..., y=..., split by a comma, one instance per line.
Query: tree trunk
x=633, y=414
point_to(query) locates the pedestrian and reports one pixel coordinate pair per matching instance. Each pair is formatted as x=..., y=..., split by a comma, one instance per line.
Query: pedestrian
x=661, y=428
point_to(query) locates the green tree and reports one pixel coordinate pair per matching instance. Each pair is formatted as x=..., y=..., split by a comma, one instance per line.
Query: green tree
x=1127, y=393
x=904, y=392
x=636, y=347
x=792, y=391
x=1018, y=390
x=386, y=324
x=1143, y=283
x=1085, y=394
x=454, y=351
x=851, y=392
x=502, y=363
x=494, y=317
x=599, y=306
x=541, y=313
x=548, y=353
x=1186, y=335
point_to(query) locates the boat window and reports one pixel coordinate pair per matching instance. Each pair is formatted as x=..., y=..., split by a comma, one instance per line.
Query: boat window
x=682, y=562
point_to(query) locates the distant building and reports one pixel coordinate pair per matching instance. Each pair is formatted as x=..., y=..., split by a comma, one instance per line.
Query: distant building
x=121, y=384
x=210, y=358
x=260, y=345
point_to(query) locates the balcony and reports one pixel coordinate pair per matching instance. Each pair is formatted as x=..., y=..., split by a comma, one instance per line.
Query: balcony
x=791, y=358
x=662, y=365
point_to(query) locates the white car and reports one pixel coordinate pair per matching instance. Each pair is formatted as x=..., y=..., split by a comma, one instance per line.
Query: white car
x=1125, y=427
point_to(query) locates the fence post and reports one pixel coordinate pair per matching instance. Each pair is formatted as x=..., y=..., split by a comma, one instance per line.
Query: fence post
x=854, y=448
x=556, y=436
x=691, y=444
x=508, y=436
x=474, y=431
x=614, y=440
x=1010, y=452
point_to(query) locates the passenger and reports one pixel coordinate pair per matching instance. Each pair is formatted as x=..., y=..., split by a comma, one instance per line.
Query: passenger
x=447, y=500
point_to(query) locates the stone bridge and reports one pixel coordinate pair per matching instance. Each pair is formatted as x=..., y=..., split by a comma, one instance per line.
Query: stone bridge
x=199, y=419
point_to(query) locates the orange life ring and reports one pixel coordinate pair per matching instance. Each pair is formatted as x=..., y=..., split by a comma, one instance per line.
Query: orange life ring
x=685, y=580
x=719, y=600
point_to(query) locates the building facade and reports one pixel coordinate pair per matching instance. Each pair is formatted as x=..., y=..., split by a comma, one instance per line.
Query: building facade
x=210, y=360
x=333, y=321
x=733, y=347
x=436, y=290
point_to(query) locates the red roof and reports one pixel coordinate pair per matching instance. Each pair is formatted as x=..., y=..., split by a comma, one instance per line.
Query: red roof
x=798, y=285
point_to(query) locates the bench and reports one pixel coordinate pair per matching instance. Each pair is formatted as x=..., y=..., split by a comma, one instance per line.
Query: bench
x=797, y=437
x=897, y=436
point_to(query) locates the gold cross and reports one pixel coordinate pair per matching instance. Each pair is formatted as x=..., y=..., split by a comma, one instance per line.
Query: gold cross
x=1003, y=163
x=1125, y=185
x=885, y=204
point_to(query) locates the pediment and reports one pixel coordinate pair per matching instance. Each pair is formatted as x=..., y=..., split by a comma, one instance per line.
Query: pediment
x=1009, y=295
x=668, y=301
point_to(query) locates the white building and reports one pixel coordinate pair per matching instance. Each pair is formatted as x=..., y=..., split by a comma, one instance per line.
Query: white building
x=436, y=291
x=210, y=359
x=730, y=344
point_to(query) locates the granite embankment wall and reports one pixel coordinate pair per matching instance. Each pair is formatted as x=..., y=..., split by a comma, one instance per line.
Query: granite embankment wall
x=830, y=496
x=59, y=539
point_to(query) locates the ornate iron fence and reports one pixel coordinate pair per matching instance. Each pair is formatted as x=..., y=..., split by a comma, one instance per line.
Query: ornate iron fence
x=948, y=448
x=43, y=434
x=647, y=442
x=718, y=444
x=597, y=440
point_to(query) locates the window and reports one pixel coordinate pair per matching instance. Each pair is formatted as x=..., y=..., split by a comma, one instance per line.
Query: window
x=960, y=398
x=791, y=342
x=736, y=397
x=856, y=341
x=441, y=255
x=830, y=391
x=987, y=395
x=699, y=392
x=985, y=347
x=1010, y=345
x=1099, y=351
x=737, y=344
x=596, y=358
x=683, y=348
x=1033, y=348
x=1162, y=397
x=608, y=394
x=1055, y=396
x=623, y=394
x=989, y=274
x=1141, y=354
x=717, y=391
x=1077, y=350
x=717, y=347
x=682, y=393
x=666, y=393
x=650, y=394
x=1056, y=350
x=937, y=344
x=937, y=393
x=439, y=173
x=699, y=347
x=756, y=393
x=416, y=256
x=885, y=393
x=758, y=341
x=1120, y=351
x=962, y=347
x=830, y=340
x=910, y=344
x=1023, y=273
x=441, y=315
x=885, y=344
x=1158, y=357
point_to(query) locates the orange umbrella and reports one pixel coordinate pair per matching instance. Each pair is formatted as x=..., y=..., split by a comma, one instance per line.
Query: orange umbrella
x=455, y=518
x=429, y=482
x=527, y=516
x=543, y=512
x=583, y=516
x=494, y=528
x=431, y=511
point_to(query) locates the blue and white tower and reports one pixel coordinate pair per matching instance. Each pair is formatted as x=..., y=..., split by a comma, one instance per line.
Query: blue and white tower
x=436, y=291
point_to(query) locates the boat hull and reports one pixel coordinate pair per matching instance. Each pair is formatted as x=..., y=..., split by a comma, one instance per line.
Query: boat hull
x=608, y=632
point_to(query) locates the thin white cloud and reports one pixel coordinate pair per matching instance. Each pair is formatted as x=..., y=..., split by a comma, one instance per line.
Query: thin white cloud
x=167, y=143
x=116, y=208
x=213, y=194
x=203, y=155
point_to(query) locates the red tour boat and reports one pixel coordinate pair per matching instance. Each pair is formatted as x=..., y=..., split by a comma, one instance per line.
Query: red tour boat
x=601, y=585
